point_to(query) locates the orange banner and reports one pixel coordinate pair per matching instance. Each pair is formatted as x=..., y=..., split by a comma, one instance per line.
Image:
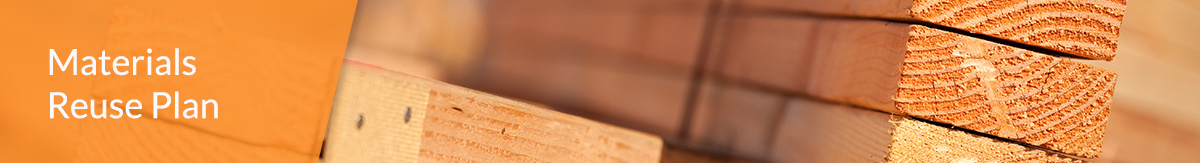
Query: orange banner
x=168, y=81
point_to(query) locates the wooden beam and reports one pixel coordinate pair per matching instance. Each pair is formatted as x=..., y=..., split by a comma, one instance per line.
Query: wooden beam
x=382, y=116
x=769, y=126
x=1086, y=28
x=927, y=73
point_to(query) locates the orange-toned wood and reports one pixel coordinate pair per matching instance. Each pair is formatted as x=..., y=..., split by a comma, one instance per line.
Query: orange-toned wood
x=1086, y=28
x=927, y=73
x=272, y=76
x=767, y=126
x=1007, y=92
x=381, y=115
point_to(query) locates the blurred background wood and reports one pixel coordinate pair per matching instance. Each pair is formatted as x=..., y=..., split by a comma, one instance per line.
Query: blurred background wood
x=1154, y=111
x=625, y=62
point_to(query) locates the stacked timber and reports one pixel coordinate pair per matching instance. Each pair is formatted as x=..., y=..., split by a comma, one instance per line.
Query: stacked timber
x=976, y=65
x=630, y=63
x=1004, y=72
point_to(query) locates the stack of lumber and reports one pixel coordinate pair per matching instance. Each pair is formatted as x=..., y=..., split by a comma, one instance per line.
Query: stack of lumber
x=797, y=80
x=976, y=84
x=729, y=76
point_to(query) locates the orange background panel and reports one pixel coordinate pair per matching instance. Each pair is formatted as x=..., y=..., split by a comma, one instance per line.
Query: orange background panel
x=271, y=65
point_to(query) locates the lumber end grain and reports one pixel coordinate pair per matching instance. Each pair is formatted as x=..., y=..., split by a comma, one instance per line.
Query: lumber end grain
x=1005, y=91
x=916, y=141
x=1086, y=28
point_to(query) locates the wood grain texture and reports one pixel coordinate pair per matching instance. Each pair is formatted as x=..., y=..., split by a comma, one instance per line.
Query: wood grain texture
x=392, y=113
x=822, y=132
x=799, y=129
x=159, y=140
x=462, y=125
x=927, y=73
x=1005, y=91
x=1086, y=28
x=916, y=141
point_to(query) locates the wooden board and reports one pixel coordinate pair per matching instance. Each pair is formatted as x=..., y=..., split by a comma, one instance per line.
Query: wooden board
x=1085, y=28
x=769, y=126
x=385, y=116
x=931, y=74
x=852, y=134
x=1017, y=94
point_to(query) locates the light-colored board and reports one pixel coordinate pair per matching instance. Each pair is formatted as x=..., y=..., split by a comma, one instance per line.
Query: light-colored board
x=376, y=118
x=461, y=125
x=917, y=141
x=846, y=133
x=767, y=126
x=913, y=70
x=1085, y=28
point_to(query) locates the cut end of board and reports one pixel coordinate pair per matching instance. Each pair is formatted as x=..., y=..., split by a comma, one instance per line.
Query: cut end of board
x=1004, y=91
x=916, y=141
x=1085, y=28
